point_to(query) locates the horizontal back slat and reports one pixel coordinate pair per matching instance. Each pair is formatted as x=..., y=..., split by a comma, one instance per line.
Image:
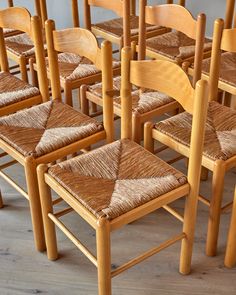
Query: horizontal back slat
x=116, y=6
x=78, y=41
x=228, y=41
x=172, y=16
x=17, y=18
x=163, y=76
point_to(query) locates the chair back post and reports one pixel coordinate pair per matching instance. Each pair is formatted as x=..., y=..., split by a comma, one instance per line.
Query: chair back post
x=3, y=53
x=133, y=7
x=126, y=101
x=199, y=50
x=182, y=3
x=75, y=13
x=87, y=15
x=194, y=170
x=126, y=23
x=40, y=57
x=229, y=14
x=142, y=30
x=10, y=3
x=234, y=22
x=107, y=85
x=43, y=12
x=53, y=60
x=215, y=59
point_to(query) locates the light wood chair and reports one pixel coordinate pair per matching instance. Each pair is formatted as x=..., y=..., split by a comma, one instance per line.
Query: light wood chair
x=20, y=47
x=230, y=255
x=222, y=64
x=16, y=94
x=74, y=70
x=122, y=30
x=177, y=45
x=118, y=183
x=219, y=152
x=146, y=105
x=51, y=130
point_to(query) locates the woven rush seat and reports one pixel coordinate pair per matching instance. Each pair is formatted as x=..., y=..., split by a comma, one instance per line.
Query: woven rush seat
x=73, y=66
x=110, y=181
x=13, y=90
x=220, y=136
x=115, y=26
x=141, y=102
x=227, y=68
x=175, y=45
x=7, y=31
x=20, y=45
x=45, y=128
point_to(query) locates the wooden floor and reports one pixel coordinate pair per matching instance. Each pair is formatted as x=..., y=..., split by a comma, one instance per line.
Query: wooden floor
x=24, y=271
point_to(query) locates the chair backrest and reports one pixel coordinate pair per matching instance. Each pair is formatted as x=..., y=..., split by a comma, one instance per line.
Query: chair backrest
x=223, y=39
x=229, y=13
x=123, y=8
x=178, y=18
x=19, y=18
x=81, y=42
x=169, y=78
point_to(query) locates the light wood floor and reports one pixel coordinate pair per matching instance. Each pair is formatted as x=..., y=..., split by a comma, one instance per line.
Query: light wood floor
x=24, y=271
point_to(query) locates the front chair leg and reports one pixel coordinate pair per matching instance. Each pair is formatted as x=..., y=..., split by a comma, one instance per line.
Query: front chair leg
x=68, y=94
x=83, y=100
x=136, y=127
x=23, y=68
x=47, y=208
x=215, y=207
x=148, y=140
x=103, y=256
x=34, y=202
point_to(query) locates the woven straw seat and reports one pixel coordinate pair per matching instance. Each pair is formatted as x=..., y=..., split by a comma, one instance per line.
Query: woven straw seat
x=72, y=66
x=20, y=45
x=7, y=31
x=44, y=128
x=141, y=102
x=115, y=26
x=175, y=45
x=220, y=136
x=110, y=181
x=13, y=90
x=227, y=68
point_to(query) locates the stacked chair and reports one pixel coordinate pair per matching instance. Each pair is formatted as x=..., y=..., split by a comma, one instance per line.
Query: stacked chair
x=71, y=158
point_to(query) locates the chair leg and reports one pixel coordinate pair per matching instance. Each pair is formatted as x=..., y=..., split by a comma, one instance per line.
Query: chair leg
x=1, y=201
x=215, y=207
x=34, y=202
x=23, y=68
x=227, y=99
x=136, y=127
x=94, y=108
x=148, y=140
x=230, y=255
x=103, y=256
x=33, y=73
x=47, y=207
x=204, y=174
x=190, y=214
x=84, y=101
x=68, y=94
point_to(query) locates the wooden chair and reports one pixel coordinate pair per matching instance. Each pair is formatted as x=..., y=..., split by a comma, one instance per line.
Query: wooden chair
x=51, y=130
x=219, y=152
x=146, y=105
x=230, y=255
x=177, y=45
x=20, y=47
x=16, y=94
x=122, y=30
x=121, y=182
x=74, y=70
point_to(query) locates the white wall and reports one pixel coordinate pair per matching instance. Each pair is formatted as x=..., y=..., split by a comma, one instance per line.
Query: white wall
x=60, y=10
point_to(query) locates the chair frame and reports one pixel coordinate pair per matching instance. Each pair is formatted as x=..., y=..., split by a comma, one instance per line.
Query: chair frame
x=23, y=61
x=133, y=72
x=8, y=19
x=218, y=167
x=138, y=120
x=30, y=163
x=230, y=254
x=123, y=8
x=157, y=15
